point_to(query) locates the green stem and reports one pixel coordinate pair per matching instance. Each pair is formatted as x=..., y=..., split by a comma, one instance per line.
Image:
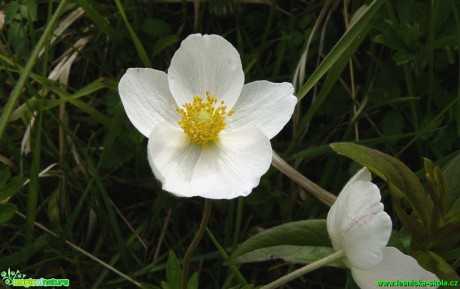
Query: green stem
x=308, y=268
x=321, y=194
x=25, y=73
x=239, y=219
x=196, y=241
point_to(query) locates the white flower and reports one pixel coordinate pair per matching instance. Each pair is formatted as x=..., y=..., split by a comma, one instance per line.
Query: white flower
x=209, y=133
x=357, y=224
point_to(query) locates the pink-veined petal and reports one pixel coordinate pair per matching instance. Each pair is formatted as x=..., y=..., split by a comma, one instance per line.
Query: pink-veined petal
x=357, y=223
x=341, y=208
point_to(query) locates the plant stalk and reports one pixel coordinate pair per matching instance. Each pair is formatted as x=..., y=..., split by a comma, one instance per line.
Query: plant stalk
x=324, y=196
x=196, y=240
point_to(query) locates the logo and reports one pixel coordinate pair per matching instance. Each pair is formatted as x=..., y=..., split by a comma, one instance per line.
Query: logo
x=17, y=279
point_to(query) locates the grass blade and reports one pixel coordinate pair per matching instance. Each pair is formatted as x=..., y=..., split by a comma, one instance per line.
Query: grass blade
x=25, y=74
x=339, y=48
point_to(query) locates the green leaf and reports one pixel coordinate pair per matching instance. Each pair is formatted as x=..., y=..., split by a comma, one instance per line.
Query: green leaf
x=445, y=223
x=19, y=85
x=53, y=210
x=11, y=188
x=27, y=251
x=289, y=253
x=173, y=272
x=136, y=41
x=45, y=104
x=451, y=175
x=6, y=212
x=437, y=265
x=340, y=47
x=449, y=227
x=10, y=11
x=301, y=241
x=437, y=189
x=97, y=18
x=164, y=43
x=409, y=199
x=5, y=175
x=156, y=27
x=224, y=256
x=29, y=10
x=193, y=281
x=339, y=65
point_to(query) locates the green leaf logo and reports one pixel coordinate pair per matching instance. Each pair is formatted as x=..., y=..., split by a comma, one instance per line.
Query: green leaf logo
x=9, y=276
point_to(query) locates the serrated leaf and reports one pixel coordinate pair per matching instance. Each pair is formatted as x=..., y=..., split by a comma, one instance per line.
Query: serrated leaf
x=408, y=196
x=173, y=272
x=6, y=212
x=284, y=241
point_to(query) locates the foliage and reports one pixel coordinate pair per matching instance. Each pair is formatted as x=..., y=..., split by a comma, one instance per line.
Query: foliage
x=74, y=174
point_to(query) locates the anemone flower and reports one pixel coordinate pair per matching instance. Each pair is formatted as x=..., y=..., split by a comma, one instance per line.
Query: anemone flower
x=209, y=133
x=357, y=224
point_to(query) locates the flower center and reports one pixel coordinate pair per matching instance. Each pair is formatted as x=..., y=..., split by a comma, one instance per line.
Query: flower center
x=201, y=120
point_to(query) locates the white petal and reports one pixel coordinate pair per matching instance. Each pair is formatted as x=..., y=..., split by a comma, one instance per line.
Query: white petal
x=229, y=168
x=358, y=224
x=173, y=159
x=233, y=166
x=147, y=100
x=362, y=175
x=340, y=208
x=265, y=105
x=394, y=266
x=206, y=63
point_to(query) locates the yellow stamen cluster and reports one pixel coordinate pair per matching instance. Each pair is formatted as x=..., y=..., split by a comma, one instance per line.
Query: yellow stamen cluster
x=201, y=120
